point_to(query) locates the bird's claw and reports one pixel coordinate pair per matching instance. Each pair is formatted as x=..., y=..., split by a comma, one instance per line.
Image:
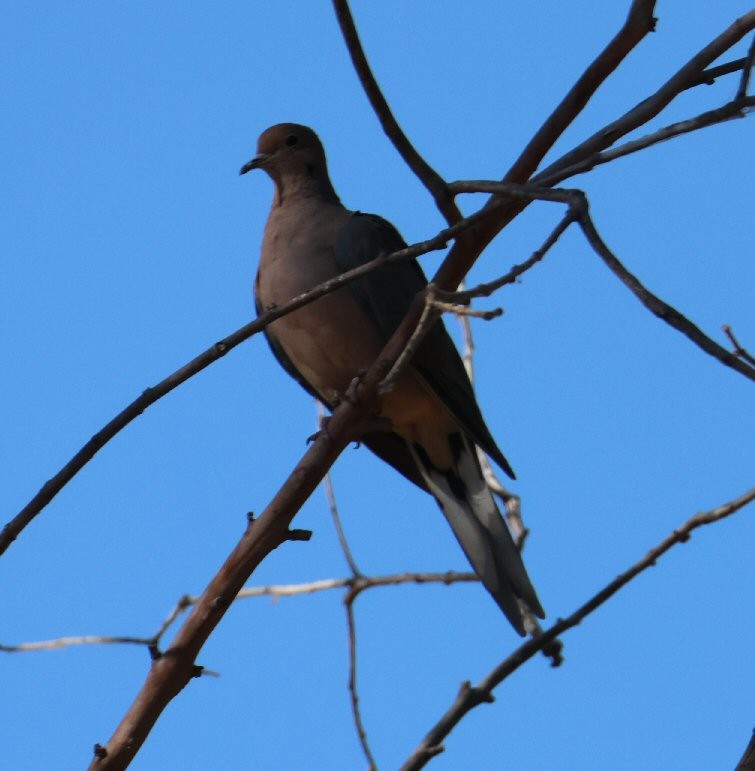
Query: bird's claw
x=324, y=420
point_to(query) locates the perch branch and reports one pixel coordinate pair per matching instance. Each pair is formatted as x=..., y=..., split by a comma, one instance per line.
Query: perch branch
x=54, y=485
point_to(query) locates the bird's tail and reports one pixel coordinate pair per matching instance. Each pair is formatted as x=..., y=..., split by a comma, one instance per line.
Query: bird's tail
x=469, y=507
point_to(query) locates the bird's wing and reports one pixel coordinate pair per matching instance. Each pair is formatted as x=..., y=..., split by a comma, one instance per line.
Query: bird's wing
x=385, y=295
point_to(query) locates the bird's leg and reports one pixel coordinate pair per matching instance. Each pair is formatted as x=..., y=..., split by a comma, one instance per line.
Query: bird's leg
x=323, y=423
x=376, y=423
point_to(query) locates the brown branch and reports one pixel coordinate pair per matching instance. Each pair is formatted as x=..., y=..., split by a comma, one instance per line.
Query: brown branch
x=273, y=590
x=171, y=672
x=729, y=111
x=426, y=319
x=648, y=108
x=430, y=178
x=353, y=689
x=486, y=289
x=747, y=761
x=463, y=254
x=54, y=485
x=639, y=22
x=579, y=209
x=470, y=697
x=333, y=506
x=708, y=77
x=658, y=307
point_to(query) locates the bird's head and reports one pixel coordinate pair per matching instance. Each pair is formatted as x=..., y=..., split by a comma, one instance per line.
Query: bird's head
x=294, y=157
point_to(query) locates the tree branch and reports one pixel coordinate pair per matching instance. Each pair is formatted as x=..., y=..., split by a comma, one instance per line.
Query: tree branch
x=648, y=108
x=275, y=591
x=638, y=24
x=54, y=485
x=469, y=697
x=721, y=114
x=660, y=308
x=579, y=209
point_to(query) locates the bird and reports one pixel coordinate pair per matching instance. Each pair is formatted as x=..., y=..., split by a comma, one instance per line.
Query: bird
x=434, y=422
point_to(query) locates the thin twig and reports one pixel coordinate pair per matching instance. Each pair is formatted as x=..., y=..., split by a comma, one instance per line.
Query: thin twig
x=55, y=484
x=65, y=642
x=648, y=108
x=353, y=689
x=333, y=506
x=639, y=22
x=729, y=111
x=463, y=310
x=428, y=317
x=708, y=77
x=739, y=351
x=744, y=81
x=486, y=289
x=275, y=591
x=579, y=208
x=511, y=502
x=659, y=307
x=470, y=697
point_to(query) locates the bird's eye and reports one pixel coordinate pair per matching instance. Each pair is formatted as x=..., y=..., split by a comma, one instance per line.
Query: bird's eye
x=292, y=140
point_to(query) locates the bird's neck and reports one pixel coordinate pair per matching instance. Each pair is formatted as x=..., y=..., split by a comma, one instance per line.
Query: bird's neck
x=294, y=187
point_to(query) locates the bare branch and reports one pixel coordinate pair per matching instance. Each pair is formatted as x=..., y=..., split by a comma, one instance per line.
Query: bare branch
x=648, y=108
x=65, y=642
x=659, y=307
x=430, y=178
x=459, y=309
x=333, y=506
x=54, y=485
x=486, y=289
x=275, y=591
x=470, y=697
x=727, y=112
x=579, y=208
x=427, y=318
x=172, y=671
x=708, y=77
x=463, y=254
x=353, y=690
x=639, y=22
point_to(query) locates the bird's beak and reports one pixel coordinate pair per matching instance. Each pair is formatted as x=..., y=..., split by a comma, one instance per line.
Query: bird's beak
x=257, y=161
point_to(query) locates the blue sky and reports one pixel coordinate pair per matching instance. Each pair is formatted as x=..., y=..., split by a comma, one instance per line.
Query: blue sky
x=129, y=245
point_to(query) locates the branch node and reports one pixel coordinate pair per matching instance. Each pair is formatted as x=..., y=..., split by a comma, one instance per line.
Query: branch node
x=197, y=670
x=481, y=696
x=298, y=535
x=436, y=749
x=554, y=651
x=100, y=752
x=154, y=651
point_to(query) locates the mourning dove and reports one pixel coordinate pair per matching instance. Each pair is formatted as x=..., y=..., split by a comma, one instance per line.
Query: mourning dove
x=432, y=411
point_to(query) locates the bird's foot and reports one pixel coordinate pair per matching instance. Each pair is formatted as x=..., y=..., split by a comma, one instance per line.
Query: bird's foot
x=351, y=394
x=324, y=420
